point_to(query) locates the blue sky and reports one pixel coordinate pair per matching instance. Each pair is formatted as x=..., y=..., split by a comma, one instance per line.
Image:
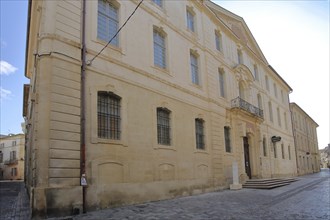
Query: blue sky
x=293, y=35
x=12, y=53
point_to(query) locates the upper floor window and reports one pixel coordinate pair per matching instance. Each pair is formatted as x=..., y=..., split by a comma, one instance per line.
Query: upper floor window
x=256, y=72
x=107, y=21
x=222, y=82
x=1, y=157
x=259, y=101
x=275, y=90
x=199, y=130
x=159, y=49
x=14, y=143
x=239, y=56
x=2, y=145
x=194, y=68
x=279, y=117
x=282, y=149
x=13, y=155
x=163, y=126
x=158, y=2
x=270, y=111
x=190, y=20
x=285, y=120
x=267, y=82
x=227, y=139
x=289, y=151
x=14, y=171
x=108, y=115
x=282, y=95
x=218, y=41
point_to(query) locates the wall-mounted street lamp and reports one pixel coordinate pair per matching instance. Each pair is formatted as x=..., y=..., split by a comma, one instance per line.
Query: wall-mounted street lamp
x=276, y=139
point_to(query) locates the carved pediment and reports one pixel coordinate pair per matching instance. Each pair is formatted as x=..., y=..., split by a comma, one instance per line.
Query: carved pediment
x=243, y=73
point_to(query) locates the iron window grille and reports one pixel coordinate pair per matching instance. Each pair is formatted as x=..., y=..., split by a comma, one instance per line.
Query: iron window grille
x=163, y=126
x=199, y=127
x=108, y=115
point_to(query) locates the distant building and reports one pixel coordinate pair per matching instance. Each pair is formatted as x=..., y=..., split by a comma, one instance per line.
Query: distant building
x=325, y=157
x=305, y=136
x=181, y=94
x=12, y=157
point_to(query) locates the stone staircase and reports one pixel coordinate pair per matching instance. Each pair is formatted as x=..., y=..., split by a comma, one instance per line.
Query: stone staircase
x=268, y=183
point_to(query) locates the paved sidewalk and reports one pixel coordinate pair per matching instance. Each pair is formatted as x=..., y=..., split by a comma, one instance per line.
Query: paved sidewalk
x=308, y=198
x=14, y=201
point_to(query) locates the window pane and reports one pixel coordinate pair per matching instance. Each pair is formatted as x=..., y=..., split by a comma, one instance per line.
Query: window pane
x=222, y=84
x=190, y=21
x=158, y=2
x=227, y=139
x=194, y=69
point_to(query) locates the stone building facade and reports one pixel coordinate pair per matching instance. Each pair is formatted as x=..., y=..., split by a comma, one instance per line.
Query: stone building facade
x=12, y=157
x=179, y=95
x=305, y=136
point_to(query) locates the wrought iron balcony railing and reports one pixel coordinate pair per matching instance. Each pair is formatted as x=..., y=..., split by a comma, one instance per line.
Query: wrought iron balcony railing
x=242, y=104
x=11, y=162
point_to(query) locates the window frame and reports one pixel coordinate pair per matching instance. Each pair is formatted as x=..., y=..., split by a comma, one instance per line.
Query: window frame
x=163, y=47
x=222, y=83
x=194, y=69
x=264, y=146
x=164, y=128
x=109, y=20
x=218, y=41
x=113, y=115
x=191, y=19
x=227, y=139
x=200, y=134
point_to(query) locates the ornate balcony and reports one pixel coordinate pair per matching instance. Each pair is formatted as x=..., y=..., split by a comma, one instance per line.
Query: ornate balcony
x=244, y=105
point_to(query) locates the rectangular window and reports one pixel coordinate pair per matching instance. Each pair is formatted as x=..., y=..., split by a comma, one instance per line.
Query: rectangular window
x=285, y=121
x=256, y=72
x=199, y=129
x=279, y=117
x=12, y=155
x=194, y=69
x=283, y=153
x=159, y=50
x=14, y=171
x=2, y=145
x=190, y=21
x=275, y=90
x=108, y=115
x=267, y=82
x=240, y=56
x=107, y=22
x=289, y=151
x=163, y=126
x=222, y=83
x=158, y=2
x=264, y=146
x=275, y=152
x=14, y=143
x=218, y=41
x=227, y=139
x=1, y=157
x=270, y=111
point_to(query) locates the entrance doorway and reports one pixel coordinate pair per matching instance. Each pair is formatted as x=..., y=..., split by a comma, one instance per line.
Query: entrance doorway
x=247, y=156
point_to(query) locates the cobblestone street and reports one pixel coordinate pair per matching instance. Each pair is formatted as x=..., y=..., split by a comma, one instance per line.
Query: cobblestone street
x=308, y=198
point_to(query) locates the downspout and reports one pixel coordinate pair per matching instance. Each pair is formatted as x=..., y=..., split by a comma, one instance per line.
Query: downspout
x=82, y=107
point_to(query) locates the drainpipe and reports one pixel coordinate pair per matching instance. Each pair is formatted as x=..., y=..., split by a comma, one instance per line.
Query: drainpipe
x=82, y=103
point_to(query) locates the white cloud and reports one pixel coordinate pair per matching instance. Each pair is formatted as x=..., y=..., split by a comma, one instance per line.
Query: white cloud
x=4, y=94
x=6, y=68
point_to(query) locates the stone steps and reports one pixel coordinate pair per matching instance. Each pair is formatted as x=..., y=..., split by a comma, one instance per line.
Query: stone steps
x=268, y=183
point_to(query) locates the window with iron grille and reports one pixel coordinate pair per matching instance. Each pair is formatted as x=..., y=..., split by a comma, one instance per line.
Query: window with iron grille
x=227, y=139
x=199, y=128
x=190, y=20
x=108, y=115
x=14, y=171
x=159, y=49
x=107, y=21
x=163, y=126
x=194, y=69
